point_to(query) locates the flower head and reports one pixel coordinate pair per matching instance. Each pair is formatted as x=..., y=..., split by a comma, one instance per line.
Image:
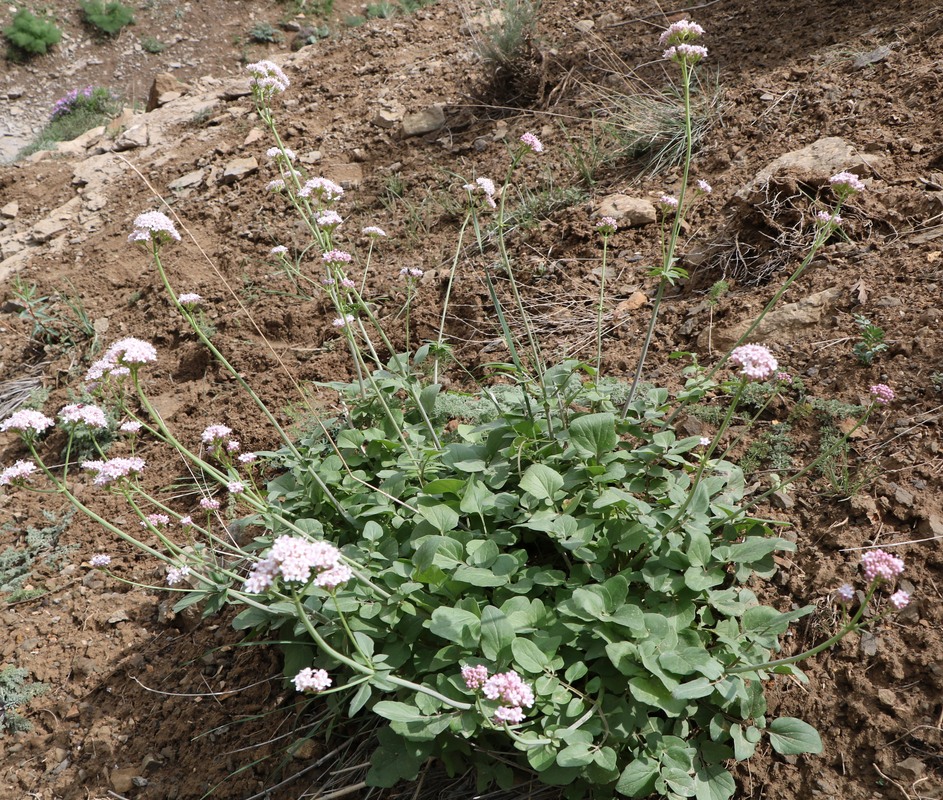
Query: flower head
x=155, y=520
x=668, y=202
x=177, y=574
x=756, y=361
x=277, y=185
x=845, y=593
x=846, y=183
x=532, y=143
x=342, y=322
x=247, y=458
x=114, y=469
x=215, y=434
x=704, y=186
x=209, y=504
x=825, y=218
x=28, y=422
x=267, y=79
x=900, y=599
x=100, y=560
x=704, y=441
x=682, y=31
x=278, y=250
x=336, y=257
x=486, y=187
x=686, y=53
x=322, y=189
x=508, y=687
x=512, y=715
x=278, y=153
x=475, y=677
x=607, y=226
x=186, y=521
x=122, y=357
x=18, y=474
x=882, y=393
x=155, y=227
x=236, y=487
x=373, y=230
x=881, y=565
x=312, y=680
x=190, y=300
x=296, y=559
x=132, y=426
x=83, y=414
x=328, y=219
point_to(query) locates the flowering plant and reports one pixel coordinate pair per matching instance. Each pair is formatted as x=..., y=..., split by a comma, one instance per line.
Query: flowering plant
x=565, y=582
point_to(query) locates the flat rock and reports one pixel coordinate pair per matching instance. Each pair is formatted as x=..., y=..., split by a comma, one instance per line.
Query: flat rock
x=629, y=211
x=133, y=137
x=426, y=121
x=781, y=326
x=187, y=181
x=388, y=116
x=10, y=210
x=349, y=176
x=122, y=780
x=239, y=168
x=46, y=229
x=812, y=165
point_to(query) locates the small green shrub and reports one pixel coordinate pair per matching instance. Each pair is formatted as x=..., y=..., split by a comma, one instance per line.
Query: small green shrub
x=29, y=35
x=16, y=691
x=152, y=45
x=264, y=33
x=108, y=18
x=79, y=111
x=872, y=340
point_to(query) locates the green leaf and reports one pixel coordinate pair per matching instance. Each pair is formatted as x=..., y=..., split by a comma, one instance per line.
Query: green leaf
x=437, y=514
x=699, y=687
x=397, y=712
x=427, y=398
x=444, y=486
x=713, y=782
x=638, y=778
x=790, y=736
x=742, y=747
x=477, y=576
x=541, y=481
x=753, y=549
x=496, y=632
x=456, y=625
x=576, y=755
x=360, y=698
x=594, y=434
x=528, y=656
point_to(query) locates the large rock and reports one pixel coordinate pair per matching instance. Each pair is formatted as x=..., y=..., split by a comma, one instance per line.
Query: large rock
x=426, y=121
x=164, y=89
x=812, y=165
x=239, y=168
x=781, y=326
x=630, y=212
x=132, y=137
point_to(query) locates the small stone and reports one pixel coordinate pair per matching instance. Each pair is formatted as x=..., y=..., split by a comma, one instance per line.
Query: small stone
x=311, y=157
x=239, y=168
x=119, y=616
x=163, y=86
x=122, y=780
x=133, y=137
x=902, y=496
x=388, y=117
x=426, y=121
x=253, y=136
x=887, y=699
x=10, y=210
x=584, y=25
x=868, y=644
x=46, y=229
x=782, y=501
x=305, y=750
x=349, y=176
x=634, y=303
x=930, y=525
x=187, y=181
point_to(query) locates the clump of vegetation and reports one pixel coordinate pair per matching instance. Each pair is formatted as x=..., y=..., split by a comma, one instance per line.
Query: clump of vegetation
x=40, y=544
x=152, y=45
x=872, y=340
x=58, y=319
x=16, y=691
x=107, y=18
x=29, y=35
x=508, y=48
x=264, y=33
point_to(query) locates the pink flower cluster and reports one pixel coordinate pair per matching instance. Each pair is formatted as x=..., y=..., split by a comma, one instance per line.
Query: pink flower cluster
x=176, y=575
x=846, y=183
x=17, y=474
x=27, y=421
x=373, y=230
x=83, y=414
x=532, y=143
x=215, y=435
x=336, y=257
x=900, y=600
x=322, y=188
x=845, y=593
x=119, y=359
x=312, y=680
x=514, y=694
x=100, y=560
x=882, y=393
x=756, y=361
x=267, y=78
x=668, y=202
x=881, y=565
x=678, y=32
x=114, y=469
x=328, y=219
x=155, y=520
x=486, y=187
x=190, y=299
x=277, y=153
x=153, y=226
x=343, y=322
x=296, y=559
x=411, y=272
x=607, y=226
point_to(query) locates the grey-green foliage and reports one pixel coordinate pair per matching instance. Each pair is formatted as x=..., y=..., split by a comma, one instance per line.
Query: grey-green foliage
x=30, y=35
x=16, y=691
x=42, y=543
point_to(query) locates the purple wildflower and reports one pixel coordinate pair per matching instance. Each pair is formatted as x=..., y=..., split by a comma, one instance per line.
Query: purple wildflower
x=668, y=202
x=209, y=504
x=336, y=257
x=685, y=53
x=607, y=226
x=845, y=593
x=846, y=183
x=132, y=426
x=900, y=599
x=190, y=299
x=278, y=153
x=343, y=322
x=177, y=574
x=508, y=687
x=511, y=715
x=475, y=677
x=322, y=188
x=100, y=560
x=83, y=414
x=328, y=219
x=682, y=31
x=704, y=186
x=215, y=434
x=267, y=79
x=235, y=487
x=373, y=230
x=247, y=458
x=276, y=185
x=155, y=520
x=532, y=143
x=114, y=469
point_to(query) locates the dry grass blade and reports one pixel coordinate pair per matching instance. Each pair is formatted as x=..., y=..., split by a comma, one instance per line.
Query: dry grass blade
x=16, y=392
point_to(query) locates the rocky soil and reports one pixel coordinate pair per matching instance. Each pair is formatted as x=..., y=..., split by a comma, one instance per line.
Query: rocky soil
x=145, y=704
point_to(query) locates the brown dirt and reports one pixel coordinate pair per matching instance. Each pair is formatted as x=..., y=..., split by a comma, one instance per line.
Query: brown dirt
x=133, y=688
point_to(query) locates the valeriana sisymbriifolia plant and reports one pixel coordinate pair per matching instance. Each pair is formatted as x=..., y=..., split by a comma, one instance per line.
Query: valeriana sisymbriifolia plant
x=561, y=594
